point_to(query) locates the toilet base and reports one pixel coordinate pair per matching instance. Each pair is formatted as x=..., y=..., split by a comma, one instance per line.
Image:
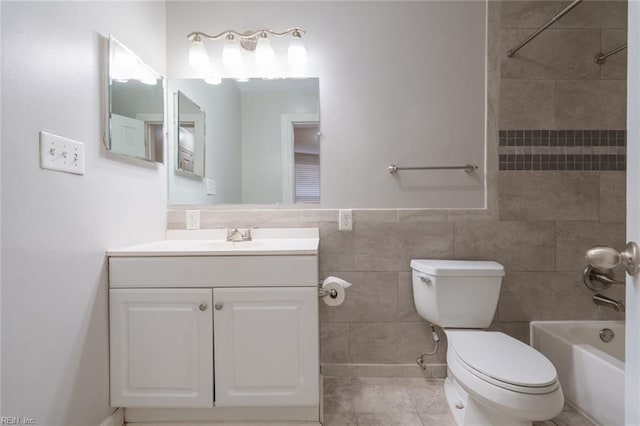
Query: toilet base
x=468, y=412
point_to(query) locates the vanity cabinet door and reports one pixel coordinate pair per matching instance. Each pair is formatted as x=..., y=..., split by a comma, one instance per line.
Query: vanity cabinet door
x=266, y=347
x=161, y=348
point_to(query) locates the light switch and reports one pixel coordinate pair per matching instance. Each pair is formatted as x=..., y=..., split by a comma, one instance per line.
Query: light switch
x=211, y=186
x=61, y=154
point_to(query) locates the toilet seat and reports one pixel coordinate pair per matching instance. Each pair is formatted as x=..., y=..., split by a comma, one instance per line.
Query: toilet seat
x=481, y=353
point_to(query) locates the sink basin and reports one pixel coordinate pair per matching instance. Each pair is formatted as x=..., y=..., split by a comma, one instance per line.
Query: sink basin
x=291, y=241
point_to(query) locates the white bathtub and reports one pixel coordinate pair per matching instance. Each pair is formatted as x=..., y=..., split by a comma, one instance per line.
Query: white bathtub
x=591, y=371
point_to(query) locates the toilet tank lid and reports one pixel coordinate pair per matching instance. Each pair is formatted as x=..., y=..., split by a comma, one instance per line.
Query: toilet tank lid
x=458, y=267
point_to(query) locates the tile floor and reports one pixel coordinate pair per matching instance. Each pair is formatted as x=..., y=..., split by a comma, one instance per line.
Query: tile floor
x=368, y=401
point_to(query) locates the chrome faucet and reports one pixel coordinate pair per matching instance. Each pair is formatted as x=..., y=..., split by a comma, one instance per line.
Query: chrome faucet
x=237, y=235
x=602, y=300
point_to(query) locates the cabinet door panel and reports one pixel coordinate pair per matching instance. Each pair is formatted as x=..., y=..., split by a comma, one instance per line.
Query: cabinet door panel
x=266, y=347
x=161, y=348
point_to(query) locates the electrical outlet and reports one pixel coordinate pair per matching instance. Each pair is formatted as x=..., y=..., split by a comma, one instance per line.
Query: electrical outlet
x=345, y=219
x=211, y=186
x=61, y=154
x=193, y=219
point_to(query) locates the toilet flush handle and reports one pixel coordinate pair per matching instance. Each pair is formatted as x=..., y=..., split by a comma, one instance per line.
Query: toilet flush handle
x=424, y=279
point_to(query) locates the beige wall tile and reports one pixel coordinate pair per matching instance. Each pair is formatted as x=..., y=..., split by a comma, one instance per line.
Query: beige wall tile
x=613, y=196
x=475, y=215
x=517, y=330
x=375, y=215
x=372, y=297
x=422, y=215
x=595, y=14
x=526, y=14
x=554, y=54
x=319, y=216
x=389, y=342
x=529, y=296
x=176, y=219
x=336, y=248
x=406, y=306
x=615, y=66
x=591, y=104
x=519, y=246
x=549, y=195
x=527, y=104
x=250, y=218
x=391, y=246
x=334, y=341
x=573, y=239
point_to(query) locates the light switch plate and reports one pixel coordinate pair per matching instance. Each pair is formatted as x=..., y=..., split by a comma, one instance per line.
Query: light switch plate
x=61, y=154
x=193, y=219
x=211, y=186
x=345, y=219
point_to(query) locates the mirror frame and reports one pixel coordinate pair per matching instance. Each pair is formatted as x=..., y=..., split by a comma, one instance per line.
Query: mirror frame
x=108, y=103
x=199, y=152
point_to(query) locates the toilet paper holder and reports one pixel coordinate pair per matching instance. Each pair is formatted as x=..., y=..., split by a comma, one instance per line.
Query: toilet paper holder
x=322, y=292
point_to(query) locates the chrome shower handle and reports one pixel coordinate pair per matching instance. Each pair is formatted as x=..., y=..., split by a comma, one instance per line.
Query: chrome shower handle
x=604, y=258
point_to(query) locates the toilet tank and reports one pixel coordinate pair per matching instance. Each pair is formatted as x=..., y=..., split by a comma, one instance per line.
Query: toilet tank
x=456, y=293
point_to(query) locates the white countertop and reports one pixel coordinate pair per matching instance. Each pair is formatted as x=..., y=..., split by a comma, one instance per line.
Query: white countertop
x=212, y=242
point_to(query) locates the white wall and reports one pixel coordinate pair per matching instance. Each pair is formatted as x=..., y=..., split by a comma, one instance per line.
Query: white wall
x=221, y=105
x=57, y=226
x=632, y=368
x=400, y=82
x=262, y=140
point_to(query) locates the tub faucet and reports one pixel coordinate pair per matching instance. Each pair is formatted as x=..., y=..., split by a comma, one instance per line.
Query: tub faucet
x=602, y=300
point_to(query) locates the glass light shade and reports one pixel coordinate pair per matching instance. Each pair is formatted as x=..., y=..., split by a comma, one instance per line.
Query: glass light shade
x=213, y=80
x=198, y=57
x=297, y=53
x=231, y=55
x=146, y=75
x=265, y=58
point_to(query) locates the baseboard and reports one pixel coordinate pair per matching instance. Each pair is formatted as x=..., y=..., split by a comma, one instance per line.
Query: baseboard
x=115, y=419
x=384, y=370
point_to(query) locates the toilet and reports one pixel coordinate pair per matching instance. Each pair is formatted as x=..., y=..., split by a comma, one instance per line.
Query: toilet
x=492, y=378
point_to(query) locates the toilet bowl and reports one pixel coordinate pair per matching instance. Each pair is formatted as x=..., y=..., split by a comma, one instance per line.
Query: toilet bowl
x=492, y=378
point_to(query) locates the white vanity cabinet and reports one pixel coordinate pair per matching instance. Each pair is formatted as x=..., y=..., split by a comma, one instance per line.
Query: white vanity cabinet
x=201, y=335
x=266, y=346
x=161, y=347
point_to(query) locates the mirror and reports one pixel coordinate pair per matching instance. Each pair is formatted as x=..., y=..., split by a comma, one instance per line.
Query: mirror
x=261, y=144
x=190, y=132
x=135, y=119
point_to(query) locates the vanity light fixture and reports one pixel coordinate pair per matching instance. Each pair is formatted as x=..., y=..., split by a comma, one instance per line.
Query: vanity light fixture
x=251, y=41
x=198, y=57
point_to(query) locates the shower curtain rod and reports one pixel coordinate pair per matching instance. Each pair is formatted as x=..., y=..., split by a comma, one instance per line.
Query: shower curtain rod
x=602, y=57
x=526, y=41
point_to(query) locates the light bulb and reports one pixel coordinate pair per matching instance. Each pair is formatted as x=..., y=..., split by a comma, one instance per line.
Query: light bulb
x=231, y=56
x=213, y=80
x=198, y=57
x=297, y=53
x=146, y=75
x=265, y=57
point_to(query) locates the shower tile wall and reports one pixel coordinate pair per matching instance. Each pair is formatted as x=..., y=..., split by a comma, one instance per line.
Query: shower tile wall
x=544, y=220
x=559, y=110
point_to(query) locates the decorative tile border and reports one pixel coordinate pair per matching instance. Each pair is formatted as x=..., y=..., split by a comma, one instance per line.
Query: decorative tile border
x=562, y=150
